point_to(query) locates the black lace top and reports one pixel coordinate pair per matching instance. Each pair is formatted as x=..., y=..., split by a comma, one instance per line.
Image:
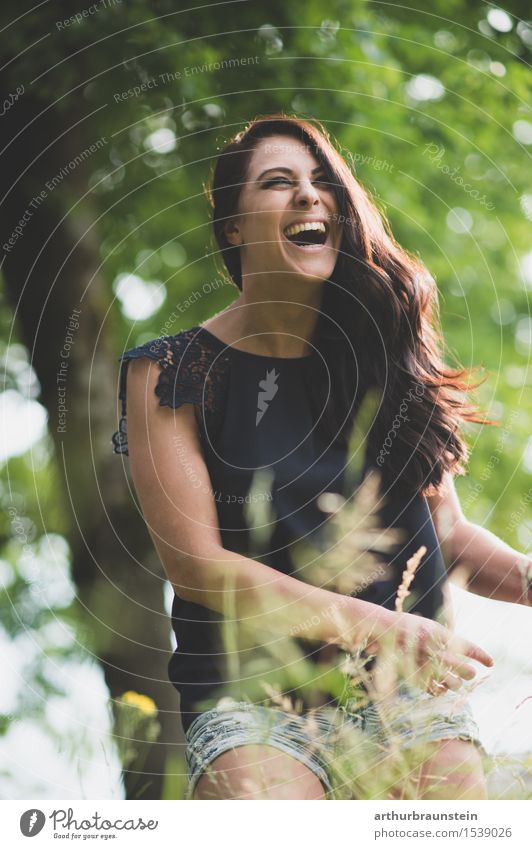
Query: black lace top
x=269, y=459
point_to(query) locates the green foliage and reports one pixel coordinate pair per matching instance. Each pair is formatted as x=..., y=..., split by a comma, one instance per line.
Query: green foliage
x=357, y=71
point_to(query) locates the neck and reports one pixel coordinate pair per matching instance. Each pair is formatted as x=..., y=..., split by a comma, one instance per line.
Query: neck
x=278, y=321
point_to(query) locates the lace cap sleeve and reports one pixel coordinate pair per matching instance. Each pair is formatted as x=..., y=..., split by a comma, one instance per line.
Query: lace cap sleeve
x=189, y=374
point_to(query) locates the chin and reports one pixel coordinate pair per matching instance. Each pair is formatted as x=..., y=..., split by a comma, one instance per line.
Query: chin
x=315, y=267
x=317, y=276
x=314, y=271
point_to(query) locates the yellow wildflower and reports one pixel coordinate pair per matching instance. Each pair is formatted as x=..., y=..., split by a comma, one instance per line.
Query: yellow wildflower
x=142, y=703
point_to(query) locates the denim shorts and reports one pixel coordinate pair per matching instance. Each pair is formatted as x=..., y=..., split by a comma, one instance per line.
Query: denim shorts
x=332, y=742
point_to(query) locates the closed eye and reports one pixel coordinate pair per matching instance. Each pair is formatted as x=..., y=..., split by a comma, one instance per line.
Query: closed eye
x=319, y=181
x=323, y=181
x=275, y=180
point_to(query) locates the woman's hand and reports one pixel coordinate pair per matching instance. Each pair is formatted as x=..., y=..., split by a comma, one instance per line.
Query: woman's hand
x=422, y=650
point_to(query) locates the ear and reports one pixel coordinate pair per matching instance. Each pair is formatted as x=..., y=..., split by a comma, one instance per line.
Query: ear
x=232, y=233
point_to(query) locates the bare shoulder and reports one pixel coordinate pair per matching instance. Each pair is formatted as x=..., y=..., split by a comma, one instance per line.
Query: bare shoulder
x=444, y=503
x=171, y=477
x=224, y=325
x=146, y=417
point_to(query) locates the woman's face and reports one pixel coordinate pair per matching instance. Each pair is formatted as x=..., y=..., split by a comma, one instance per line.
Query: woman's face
x=286, y=187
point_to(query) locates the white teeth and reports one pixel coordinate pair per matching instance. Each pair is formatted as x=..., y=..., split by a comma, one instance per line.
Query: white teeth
x=294, y=229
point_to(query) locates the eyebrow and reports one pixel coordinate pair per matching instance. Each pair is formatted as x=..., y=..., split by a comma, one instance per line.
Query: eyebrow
x=288, y=171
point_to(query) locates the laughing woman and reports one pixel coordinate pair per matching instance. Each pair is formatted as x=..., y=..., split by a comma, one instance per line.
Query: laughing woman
x=329, y=307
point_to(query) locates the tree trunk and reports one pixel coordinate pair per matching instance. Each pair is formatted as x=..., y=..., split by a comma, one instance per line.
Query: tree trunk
x=51, y=271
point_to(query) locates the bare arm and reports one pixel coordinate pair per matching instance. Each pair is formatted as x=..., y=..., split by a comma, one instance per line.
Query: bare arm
x=175, y=493
x=491, y=567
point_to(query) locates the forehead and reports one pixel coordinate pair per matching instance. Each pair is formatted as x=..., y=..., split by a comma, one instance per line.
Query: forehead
x=282, y=151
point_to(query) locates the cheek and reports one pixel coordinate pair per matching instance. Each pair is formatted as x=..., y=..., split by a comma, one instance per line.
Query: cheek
x=262, y=234
x=264, y=216
x=253, y=226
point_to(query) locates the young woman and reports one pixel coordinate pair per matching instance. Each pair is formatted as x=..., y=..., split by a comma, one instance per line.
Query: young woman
x=329, y=306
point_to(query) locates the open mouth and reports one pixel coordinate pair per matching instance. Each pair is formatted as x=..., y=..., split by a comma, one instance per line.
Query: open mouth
x=311, y=235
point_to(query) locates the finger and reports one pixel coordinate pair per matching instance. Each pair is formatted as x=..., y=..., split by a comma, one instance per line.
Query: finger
x=432, y=674
x=435, y=688
x=458, y=666
x=447, y=670
x=461, y=646
x=453, y=682
x=449, y=682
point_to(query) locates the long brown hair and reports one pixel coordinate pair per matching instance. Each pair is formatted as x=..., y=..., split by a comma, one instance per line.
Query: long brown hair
x=379, y=312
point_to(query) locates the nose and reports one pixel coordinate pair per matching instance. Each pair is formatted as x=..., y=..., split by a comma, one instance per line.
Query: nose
x=306, y=194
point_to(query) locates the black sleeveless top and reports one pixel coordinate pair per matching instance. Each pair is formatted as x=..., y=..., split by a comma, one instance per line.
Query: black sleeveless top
x=269, y=461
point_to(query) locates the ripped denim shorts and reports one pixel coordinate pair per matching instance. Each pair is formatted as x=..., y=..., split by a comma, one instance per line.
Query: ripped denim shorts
x=337, y=744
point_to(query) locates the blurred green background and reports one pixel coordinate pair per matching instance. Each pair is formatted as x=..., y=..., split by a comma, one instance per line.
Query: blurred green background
x=110, y=124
